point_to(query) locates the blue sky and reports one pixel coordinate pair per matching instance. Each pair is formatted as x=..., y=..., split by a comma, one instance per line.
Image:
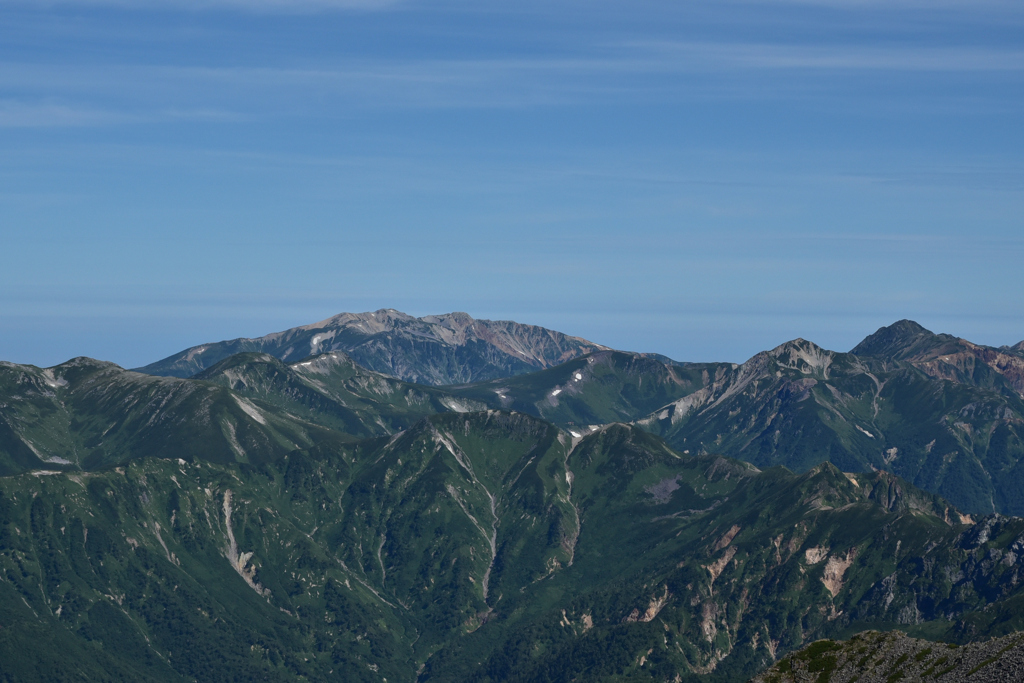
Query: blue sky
x=700, y=179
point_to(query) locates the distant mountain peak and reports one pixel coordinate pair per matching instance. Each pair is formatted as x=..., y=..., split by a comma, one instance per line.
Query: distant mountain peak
x=804, y=356
x=893, y=340
x=907, y=326
x=450, y=348
x=945, y=356
x=798, y=344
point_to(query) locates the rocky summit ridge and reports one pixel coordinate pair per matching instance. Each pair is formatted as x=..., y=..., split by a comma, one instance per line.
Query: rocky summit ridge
x=453, y=348
x=944, y=356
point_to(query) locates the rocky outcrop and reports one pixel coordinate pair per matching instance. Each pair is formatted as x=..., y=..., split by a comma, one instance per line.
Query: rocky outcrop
x=873, y=657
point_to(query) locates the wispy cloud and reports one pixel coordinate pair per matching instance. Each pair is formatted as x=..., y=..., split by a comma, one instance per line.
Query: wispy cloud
x=832, y=57
x=22, y=114
x=645, y=71
x=15, y=114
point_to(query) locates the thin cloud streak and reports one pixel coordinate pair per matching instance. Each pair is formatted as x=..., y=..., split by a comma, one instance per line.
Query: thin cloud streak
x=19, y=114
x=835, y=57
x=653, y=71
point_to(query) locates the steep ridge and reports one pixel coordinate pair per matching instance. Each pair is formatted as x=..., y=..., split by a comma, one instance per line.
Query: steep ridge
x=798, y=404
x=944, y=356
x=86, y=414
x=436, y=349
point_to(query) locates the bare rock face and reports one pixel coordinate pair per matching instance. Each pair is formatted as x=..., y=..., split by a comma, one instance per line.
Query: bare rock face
x=453, y=348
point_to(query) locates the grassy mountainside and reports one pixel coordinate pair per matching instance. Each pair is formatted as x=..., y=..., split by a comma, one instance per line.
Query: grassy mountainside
x=798, y=405
x=315, y=520
x=795, y=405
x=715, y=578
x=436, y=349
x=86, y=414
x=332, y=390
x=603, y=387
x=477, y=546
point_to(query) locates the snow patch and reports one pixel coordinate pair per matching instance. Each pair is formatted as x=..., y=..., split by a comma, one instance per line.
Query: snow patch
x=454, y=404
x=556, y=392
x=53, y=381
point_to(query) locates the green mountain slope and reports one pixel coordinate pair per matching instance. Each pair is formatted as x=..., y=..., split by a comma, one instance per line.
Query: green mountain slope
x=333, y=391
x=798, y=404
x=86, y=414
x=436, y=349
x=478, y=546
x=603, y=387
x=795, y=405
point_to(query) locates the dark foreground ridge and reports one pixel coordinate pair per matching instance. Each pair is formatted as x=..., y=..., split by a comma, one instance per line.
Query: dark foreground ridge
x=873, y=657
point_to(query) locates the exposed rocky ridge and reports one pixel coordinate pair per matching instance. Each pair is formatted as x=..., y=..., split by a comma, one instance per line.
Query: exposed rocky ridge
x=436, y=349
x=874, y=657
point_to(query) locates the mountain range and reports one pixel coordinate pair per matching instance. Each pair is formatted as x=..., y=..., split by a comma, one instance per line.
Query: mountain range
x=941, y=412
x=287, y=513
